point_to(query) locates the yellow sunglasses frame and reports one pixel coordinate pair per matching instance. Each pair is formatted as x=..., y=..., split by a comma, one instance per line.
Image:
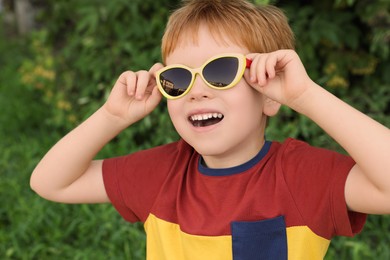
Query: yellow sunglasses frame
x=243, y=63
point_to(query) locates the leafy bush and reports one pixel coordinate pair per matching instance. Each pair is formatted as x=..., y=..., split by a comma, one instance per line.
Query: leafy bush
x=345, y=48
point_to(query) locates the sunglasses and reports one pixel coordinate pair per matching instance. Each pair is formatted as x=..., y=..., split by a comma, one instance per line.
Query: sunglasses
x=219, y=72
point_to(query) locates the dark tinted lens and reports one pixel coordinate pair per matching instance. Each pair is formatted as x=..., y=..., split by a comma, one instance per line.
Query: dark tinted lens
x=175, y=81
x=221, y=72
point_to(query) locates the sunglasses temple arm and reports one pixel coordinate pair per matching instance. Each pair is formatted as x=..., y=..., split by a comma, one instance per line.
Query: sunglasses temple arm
x=248, y=63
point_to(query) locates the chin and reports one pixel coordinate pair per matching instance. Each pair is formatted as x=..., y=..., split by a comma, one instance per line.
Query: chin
x=206, y=148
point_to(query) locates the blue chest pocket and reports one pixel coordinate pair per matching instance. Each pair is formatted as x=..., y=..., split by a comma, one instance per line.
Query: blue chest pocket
x=265, y=239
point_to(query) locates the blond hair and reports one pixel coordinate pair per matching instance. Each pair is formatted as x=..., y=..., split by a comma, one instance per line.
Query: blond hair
x=258, y=28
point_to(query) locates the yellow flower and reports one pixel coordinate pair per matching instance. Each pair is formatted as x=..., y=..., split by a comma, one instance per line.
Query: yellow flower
x=337, y=82
x=368, y=69
x=72, y=118
x=64, y=105
x=330, y=68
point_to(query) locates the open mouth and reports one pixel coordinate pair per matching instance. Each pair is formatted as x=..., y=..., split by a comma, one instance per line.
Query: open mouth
x=207, y=119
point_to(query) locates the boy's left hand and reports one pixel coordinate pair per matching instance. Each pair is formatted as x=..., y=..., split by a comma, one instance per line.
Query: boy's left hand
x=279, y=75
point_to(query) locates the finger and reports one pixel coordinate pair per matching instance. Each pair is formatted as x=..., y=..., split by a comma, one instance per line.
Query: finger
x=251, y=56
x=143, y=77
x=251, y=74
x=271, y=65
x=259, y=70
x=155, y=97
x=130, y=82
x=155, y=68
x=252, y=69
x=152, y=71
x=126, y=82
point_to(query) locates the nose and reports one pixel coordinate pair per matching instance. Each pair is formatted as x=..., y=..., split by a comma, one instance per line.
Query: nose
x=199, y=89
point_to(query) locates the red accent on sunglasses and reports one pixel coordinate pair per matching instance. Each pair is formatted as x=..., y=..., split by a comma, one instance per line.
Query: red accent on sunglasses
x=248, y=63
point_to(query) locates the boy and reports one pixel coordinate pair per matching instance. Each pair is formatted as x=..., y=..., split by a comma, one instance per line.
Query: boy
x=223, y=191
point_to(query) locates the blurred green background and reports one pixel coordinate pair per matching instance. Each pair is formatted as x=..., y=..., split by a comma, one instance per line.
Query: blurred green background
x=56, y=72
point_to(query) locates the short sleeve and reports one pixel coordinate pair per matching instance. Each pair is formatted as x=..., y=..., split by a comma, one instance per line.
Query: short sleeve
x=316, y=179
x=112, y=172
x=133, y=182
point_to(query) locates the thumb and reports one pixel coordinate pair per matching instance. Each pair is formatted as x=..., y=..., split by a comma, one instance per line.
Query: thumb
x=155, y=96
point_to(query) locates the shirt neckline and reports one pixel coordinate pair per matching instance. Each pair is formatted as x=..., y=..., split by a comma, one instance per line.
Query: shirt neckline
x=236, y=169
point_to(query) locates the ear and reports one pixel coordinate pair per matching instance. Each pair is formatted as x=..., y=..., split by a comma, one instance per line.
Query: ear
x=270, y=107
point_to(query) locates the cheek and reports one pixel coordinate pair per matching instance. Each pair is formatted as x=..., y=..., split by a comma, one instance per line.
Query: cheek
x=247, y=97
x=174, y=109
x=170, y=110
x=171, y=105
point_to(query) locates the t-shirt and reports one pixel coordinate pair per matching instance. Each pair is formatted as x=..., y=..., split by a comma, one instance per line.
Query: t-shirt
x=286, y=202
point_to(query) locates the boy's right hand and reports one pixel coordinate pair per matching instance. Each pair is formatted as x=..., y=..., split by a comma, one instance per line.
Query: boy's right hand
x=134, y=95
x=68, y=173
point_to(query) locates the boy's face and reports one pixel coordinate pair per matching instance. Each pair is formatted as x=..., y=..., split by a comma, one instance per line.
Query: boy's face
x=234, y=133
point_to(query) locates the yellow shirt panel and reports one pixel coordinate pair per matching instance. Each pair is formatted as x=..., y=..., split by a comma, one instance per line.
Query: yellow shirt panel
x=165, y=240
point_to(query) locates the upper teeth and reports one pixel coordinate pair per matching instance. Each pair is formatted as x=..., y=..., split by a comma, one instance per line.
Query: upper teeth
x=206, y=116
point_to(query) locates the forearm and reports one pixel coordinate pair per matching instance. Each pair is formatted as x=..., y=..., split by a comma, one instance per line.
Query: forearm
x=70, y=158
x=366, y=141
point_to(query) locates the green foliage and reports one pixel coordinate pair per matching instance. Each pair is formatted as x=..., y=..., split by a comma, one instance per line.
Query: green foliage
x=93, y=42
x=66, y=73
x=31, y=228
x=35, y=229
x=345, y=48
